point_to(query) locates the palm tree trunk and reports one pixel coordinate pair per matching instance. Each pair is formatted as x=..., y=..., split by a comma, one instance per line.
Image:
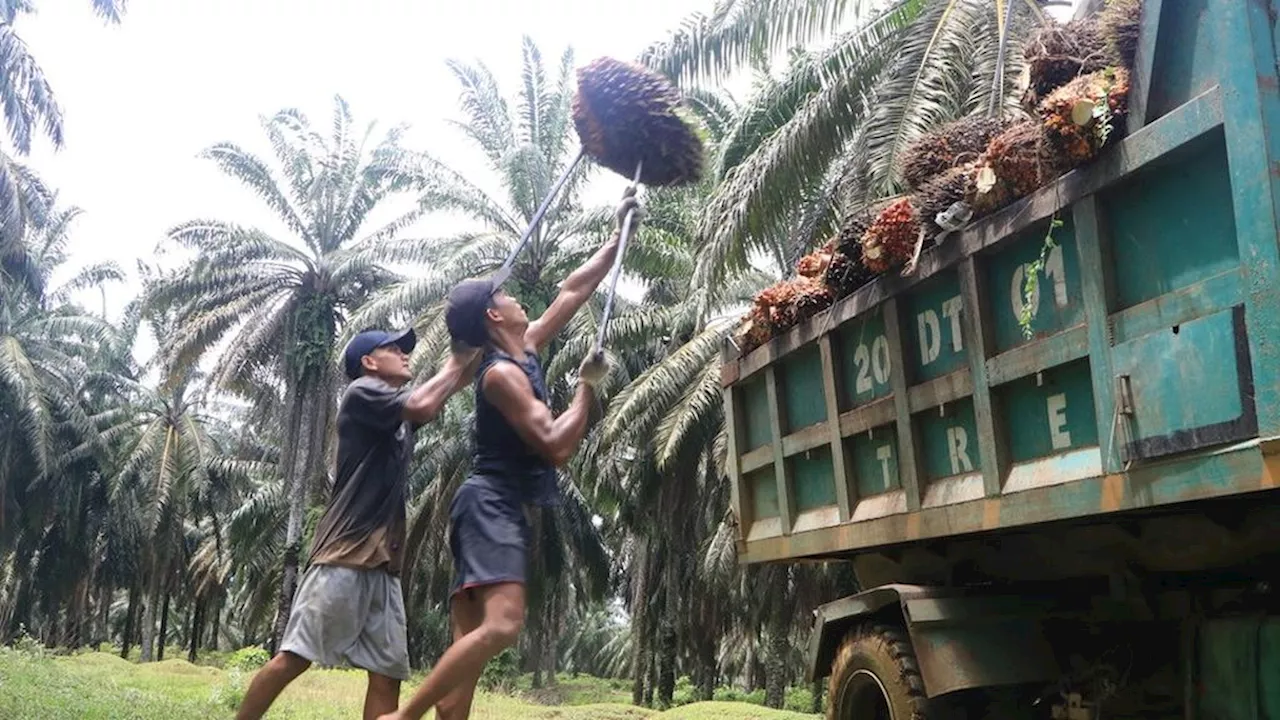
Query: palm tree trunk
x=164, y=627
x=298, y=435
x=707, y=669
x=534, y=654
x=126, y=638
x=817, y=687
x=755, y=668
x=197, y=620
x=776, y=665
x=652, y=681
x=149, y=617
x=102, y=626
x=215, y=627
x=640, y=641
x=551, y=647
x=667, y=631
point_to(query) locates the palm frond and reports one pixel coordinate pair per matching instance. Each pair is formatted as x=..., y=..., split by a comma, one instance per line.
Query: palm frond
x=758, y=195
x=25, y=94
x=488, y=118
x=708, y=48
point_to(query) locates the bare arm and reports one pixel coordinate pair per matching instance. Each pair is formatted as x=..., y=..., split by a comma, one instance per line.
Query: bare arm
x=426, y=400
x=576, y=288
x=555, y=439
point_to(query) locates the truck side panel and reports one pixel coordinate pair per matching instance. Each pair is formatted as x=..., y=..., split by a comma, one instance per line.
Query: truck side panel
x=917, y=408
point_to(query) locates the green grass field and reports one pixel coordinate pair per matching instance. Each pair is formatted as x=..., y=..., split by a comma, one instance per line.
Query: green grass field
x=100, y=686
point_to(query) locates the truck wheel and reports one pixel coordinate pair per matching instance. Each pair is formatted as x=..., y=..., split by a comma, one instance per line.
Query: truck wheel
x=875, y=677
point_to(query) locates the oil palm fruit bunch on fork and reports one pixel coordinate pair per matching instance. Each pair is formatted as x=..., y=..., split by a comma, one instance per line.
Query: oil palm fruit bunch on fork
x=633, y=122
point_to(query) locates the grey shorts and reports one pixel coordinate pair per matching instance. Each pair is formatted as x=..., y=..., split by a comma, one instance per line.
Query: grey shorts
x=342, y=615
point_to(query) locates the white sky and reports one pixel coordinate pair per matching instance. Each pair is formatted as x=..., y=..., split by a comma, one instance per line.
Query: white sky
x=141, y=99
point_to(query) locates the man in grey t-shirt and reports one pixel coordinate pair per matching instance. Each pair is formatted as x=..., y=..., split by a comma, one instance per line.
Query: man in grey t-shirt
x=349, y=606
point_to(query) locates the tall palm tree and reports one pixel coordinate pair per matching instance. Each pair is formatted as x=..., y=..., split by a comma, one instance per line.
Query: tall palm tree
x=50, y=481
x=166, y=453
x=282, y=303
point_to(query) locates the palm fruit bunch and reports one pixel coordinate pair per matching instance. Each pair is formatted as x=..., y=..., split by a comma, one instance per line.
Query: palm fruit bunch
x=756, y=328
x=951, y=145
x=1119, y=22
x=939, y=193
x=847, y=272
x=891, y=239
x=1057, y=53
x=626, y=115
x=1083, y=115
x=814, y=265
x=781, y=306
x=1017, y=162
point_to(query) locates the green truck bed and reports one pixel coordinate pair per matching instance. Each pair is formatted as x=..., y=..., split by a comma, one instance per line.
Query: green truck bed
x=916, y=408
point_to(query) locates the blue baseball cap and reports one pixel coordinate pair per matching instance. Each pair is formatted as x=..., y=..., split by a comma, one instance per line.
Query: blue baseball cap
x=466, y=306
x=369, y=340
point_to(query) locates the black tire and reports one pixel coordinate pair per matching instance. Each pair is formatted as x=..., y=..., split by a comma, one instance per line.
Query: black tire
x=875, y=677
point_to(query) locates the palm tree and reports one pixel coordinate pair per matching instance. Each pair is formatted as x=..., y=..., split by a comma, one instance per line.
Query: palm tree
x=826, y=137
x=51, y=499
x=166, y=453
x=282, y=303
x=42, y=351
x=29, y=109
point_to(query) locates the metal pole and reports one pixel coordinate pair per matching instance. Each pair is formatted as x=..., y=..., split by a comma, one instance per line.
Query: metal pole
x=617, y=268
x=542, y=210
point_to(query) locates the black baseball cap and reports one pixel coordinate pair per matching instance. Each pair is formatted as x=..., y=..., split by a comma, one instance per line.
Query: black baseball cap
x=369, y=340
x=467, y=303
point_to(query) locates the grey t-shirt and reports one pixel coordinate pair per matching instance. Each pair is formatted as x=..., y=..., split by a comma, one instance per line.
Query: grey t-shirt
x=364, y=524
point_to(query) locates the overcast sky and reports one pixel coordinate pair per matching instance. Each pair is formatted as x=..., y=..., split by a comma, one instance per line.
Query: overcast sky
x=143, y=98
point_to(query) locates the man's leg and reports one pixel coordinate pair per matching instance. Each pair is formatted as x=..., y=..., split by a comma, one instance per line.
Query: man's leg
x=269, y=681
x=382, y=697
x=324, y=616
x=467, y=614
x=503, y=617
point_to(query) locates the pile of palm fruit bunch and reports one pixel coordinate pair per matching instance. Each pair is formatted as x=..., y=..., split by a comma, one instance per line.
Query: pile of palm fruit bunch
x=1018, y=162
x=1078, y=83
x=892, y=237
x=847, y=271
x=781, y=306
x=1057, y=54
x=950, y=146
x=627, y=115
x=1080, y=117
x=823, y=276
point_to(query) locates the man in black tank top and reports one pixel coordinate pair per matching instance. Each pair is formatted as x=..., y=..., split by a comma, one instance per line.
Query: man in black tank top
x=518, y=446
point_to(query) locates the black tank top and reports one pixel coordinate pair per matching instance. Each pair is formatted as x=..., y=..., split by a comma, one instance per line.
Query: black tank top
x=502, y=461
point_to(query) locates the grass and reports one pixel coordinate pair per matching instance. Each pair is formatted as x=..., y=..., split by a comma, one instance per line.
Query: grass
x=100, y=686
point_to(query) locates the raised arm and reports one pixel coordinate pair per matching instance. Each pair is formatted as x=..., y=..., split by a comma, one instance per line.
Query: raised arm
x=555, y=439
x=576, y=288
x=424, y=403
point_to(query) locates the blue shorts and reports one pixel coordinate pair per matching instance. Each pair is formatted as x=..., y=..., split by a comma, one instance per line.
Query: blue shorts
x=488, y=536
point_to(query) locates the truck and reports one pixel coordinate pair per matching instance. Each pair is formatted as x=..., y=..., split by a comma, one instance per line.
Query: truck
x=1084, y=522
